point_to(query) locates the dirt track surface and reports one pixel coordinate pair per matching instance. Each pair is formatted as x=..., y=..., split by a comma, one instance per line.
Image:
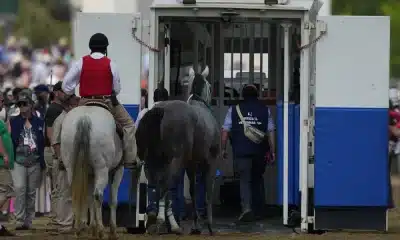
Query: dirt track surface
x=43, y=232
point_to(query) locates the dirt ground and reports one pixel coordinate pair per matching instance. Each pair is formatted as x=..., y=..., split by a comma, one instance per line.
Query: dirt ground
x=43, y=232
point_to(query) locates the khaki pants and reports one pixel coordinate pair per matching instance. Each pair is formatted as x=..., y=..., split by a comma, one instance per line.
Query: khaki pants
x=52, y=171
x=123, y=119
x=6, y=185
x=64, y=202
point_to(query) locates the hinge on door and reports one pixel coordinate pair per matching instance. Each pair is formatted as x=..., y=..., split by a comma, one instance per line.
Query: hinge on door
x=305, y=123
x=309, y=25
x=135, y=23
x=322, y=27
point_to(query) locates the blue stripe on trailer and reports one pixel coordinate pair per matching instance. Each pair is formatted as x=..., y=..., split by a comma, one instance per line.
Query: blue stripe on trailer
x=351, y=157
x=124, y=188
x=294, y=138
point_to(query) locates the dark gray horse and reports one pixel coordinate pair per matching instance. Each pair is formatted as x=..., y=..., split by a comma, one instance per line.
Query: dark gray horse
x=175, y=136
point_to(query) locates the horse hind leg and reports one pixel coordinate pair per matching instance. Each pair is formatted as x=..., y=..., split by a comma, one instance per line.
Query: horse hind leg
x=101, y=180
x=92, y=224
x=115, y=182
x=209, y=179
x=196, y=228
x=159, y=227
x=175, y=228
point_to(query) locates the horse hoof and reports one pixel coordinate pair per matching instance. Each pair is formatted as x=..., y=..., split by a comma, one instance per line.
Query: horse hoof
x=151, y=229
x=151, y=220
x=210, y=231
x=101, y=235
x=157, y=229
x=177, y=231
x=162, y=228
x=93, y=232
x=113, y=236
x=195, y=232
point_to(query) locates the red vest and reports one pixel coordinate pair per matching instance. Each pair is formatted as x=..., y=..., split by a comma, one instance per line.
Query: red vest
x=96, y=77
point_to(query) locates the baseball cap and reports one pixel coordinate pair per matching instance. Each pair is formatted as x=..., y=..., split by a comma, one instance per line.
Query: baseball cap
x=25, y=96
x=41, y=88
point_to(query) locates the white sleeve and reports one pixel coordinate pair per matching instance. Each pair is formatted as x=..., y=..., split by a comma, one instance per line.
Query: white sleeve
x=139, y=117
x=71, y=79
x=116, y=79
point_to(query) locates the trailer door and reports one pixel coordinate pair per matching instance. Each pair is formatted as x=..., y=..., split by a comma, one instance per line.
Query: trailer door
x=351, y=123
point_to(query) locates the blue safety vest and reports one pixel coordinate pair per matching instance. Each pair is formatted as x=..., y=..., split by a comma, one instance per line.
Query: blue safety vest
x=256, y=114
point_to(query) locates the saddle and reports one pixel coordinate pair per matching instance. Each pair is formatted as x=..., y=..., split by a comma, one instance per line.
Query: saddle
x=119, y=129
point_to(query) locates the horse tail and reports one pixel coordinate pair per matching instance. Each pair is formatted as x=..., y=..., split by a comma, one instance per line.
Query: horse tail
x=80, y=168
x=148, y=133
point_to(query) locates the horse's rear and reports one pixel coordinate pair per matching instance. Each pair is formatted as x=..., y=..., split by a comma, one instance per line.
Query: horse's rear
x=165, y=141
x=90, y=148
x=183, y=140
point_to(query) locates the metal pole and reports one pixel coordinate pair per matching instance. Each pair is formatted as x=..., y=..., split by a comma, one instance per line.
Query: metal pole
x=286, y=86
x=167, y=61
x=153, y=63
x=304, y=116
x=326, y=9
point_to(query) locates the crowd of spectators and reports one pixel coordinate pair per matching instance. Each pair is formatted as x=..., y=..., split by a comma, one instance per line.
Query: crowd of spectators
x=28, y=80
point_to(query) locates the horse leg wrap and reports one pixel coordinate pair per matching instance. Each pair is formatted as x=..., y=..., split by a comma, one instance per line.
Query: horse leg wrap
x=174, y=225
x=161, y=211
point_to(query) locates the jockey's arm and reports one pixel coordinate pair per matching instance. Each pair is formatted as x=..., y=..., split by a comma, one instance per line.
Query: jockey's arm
x=71, y=79
x=116, y=79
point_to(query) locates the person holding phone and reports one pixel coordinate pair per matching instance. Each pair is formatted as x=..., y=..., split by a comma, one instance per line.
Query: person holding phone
x=6, y=164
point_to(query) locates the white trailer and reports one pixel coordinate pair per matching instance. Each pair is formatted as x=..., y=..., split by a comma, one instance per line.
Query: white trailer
x=341, y=170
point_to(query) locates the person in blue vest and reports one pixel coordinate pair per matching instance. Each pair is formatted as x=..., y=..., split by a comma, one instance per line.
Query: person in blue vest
x=250, y=157
x=27, y=133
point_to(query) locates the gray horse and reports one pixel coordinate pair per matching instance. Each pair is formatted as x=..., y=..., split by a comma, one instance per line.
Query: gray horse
x=91, y=151
x=175, y=136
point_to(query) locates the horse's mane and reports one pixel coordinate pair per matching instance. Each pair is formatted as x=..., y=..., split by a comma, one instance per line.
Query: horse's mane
x=197, y=85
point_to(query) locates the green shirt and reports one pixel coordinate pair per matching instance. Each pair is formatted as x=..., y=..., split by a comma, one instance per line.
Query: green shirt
x=8, y=145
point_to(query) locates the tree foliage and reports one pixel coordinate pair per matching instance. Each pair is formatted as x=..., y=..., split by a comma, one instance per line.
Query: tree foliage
x=377, y=7
x=37, y=22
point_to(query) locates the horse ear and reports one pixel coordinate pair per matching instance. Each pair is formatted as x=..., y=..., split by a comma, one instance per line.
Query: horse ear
x=191, y=72
x=205, y=72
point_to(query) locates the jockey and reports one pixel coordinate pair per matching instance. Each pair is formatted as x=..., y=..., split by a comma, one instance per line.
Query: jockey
x=99, y=82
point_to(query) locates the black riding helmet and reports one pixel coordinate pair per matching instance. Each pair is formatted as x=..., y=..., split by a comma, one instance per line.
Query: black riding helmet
x=98, y=42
